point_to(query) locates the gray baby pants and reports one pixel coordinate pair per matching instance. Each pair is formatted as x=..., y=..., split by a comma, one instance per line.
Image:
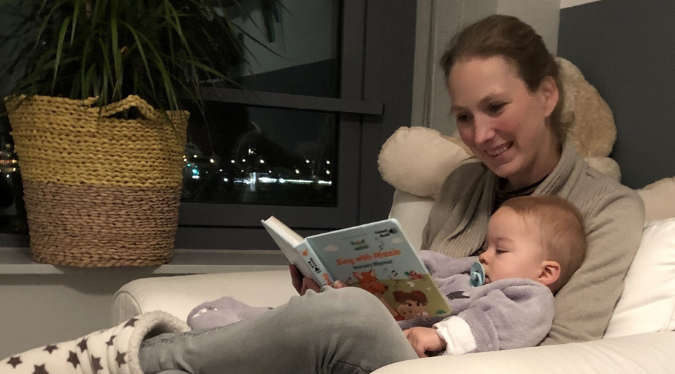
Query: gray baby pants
x=335, y=331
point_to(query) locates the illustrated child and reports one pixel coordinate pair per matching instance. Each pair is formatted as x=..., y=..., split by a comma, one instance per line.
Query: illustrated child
x=534, y=245
x=412, y=304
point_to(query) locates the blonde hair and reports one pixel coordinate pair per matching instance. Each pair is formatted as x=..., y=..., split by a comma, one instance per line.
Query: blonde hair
x=520, y=45
x=561, y=230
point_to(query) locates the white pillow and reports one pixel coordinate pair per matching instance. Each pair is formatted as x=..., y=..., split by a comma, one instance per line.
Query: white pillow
x=659, y=199
x=648, y=301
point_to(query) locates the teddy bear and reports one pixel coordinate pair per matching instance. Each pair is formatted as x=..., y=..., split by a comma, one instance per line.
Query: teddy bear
x=417, y=159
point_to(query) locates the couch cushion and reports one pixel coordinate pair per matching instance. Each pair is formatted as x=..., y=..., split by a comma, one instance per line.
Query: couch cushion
x=648, y=301
x=646, y=353
x=178, y=295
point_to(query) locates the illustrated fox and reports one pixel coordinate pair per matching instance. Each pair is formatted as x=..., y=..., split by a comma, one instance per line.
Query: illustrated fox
x=369, y=282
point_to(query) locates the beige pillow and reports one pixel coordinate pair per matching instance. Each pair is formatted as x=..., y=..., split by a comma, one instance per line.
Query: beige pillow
x=418, y=159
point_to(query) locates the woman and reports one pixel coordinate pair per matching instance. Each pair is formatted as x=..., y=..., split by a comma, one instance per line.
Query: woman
x=506, y=98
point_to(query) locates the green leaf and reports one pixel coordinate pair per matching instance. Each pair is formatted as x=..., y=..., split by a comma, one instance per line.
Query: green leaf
x=107, y=74
x=76, y=14
x=85, y=68
x=59, y=48
x=139, y=44
x=87, y=83
x=117, y=56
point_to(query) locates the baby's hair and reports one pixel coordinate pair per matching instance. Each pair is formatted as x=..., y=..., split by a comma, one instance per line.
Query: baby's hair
x=415, y=295
x=561, y=228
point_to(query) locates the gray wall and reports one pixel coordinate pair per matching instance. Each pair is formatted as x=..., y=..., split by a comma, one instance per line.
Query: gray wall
x=41, y=309
x=626, y=49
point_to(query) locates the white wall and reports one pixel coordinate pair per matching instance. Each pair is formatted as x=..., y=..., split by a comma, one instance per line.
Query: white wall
x=569, y=3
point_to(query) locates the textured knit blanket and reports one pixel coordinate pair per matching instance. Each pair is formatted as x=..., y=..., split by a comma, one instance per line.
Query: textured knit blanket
x=111, y=351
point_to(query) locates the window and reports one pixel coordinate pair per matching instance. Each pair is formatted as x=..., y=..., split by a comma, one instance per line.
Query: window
x=299, y=137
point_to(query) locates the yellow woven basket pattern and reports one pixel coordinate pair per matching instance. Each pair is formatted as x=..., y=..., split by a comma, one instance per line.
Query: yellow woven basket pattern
x=100, y=191
x=71, y=142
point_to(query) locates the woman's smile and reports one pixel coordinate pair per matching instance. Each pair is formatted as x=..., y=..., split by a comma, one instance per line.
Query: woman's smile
x=495, y=152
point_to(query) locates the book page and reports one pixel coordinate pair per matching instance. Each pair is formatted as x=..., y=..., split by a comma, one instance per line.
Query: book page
x=378, y=258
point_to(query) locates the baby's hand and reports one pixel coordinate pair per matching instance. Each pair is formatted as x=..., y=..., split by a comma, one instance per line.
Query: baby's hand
x=424, y=339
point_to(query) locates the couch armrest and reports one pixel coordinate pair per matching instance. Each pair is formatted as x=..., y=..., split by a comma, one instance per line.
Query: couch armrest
x=645, y=353
x=178, y=295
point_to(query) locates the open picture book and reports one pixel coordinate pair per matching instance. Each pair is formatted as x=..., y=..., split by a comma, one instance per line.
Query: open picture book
x=376, y=257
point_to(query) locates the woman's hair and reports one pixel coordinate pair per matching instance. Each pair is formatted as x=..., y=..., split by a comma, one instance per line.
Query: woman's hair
x=561, y=229
x=515, y=40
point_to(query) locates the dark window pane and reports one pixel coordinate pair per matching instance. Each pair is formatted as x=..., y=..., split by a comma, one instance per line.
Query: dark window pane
x=296, y=51
x=12, y=210
x=262, y=156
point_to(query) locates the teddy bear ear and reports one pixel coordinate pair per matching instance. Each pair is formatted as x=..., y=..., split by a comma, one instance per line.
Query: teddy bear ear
x=606, y=166
x=585, y=113
x=417, y=160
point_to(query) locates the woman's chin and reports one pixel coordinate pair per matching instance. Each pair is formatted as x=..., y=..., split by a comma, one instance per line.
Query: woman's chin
x=503, y=169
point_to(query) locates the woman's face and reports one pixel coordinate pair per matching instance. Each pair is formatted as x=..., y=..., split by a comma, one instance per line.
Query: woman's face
x=501, y=121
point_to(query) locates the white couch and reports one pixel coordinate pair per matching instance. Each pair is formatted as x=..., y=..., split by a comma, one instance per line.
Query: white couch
x=639, y=338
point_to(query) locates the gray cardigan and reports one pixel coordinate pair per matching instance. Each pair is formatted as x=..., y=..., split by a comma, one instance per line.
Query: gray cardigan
x=614, y=218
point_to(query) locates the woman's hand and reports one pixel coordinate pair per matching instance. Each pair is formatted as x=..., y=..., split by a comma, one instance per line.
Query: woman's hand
x=424, y=339
x=302, y=284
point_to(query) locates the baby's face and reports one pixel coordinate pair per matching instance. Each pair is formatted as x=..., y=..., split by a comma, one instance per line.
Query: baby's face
x=513, y=248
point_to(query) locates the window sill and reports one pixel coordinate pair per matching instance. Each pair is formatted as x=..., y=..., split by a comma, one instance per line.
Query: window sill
x=16, y=261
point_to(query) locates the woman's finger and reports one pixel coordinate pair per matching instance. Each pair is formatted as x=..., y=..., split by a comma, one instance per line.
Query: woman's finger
x=296, y=279
x=310, y=284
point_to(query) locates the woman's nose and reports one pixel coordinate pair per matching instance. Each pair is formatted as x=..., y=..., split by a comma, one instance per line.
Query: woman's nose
x=483, y=131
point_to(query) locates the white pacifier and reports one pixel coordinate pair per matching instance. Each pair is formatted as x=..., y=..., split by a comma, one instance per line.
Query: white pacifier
x=477, y=274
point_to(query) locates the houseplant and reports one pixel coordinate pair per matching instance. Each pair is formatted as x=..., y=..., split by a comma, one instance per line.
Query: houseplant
x=97, y=122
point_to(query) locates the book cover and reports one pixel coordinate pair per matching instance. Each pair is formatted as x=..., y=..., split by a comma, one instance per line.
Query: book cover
x=378, y=258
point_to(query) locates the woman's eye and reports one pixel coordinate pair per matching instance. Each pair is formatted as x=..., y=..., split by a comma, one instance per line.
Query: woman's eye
x=463, y=118
x=495, y=108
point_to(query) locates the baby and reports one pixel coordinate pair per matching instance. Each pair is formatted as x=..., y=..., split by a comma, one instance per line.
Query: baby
x=534, y=245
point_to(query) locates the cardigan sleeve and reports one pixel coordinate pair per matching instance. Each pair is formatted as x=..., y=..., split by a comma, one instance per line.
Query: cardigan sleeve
x=517, y=314
x=584, y=306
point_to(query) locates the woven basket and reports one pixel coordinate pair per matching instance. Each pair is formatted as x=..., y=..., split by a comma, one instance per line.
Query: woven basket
x=100, y=191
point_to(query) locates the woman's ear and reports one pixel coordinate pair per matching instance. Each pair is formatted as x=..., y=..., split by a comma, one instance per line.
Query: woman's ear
x=549, y=94
x=550, y=273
